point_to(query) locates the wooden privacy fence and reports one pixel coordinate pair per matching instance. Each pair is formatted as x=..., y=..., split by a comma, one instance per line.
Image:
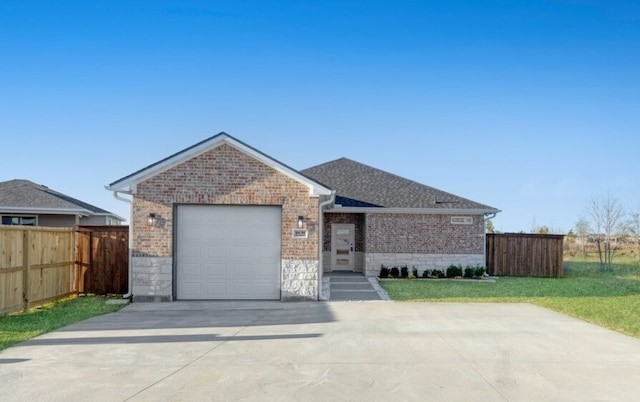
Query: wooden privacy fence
x=517, y=254
x=39, y=264
x=36, y=265
x=103, y=259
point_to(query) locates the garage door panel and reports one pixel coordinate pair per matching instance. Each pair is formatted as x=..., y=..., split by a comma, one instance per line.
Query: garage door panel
x=265, y=288
x=242, y=270
x=228, y=252
x=213, y=290
x=189, y=287
x=191, y=270
x=214, y=252
x=214, y=271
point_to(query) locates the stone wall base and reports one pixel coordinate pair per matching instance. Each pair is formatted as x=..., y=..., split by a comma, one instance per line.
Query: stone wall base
x=422, y=262
x=299, y=280
x=152, y=278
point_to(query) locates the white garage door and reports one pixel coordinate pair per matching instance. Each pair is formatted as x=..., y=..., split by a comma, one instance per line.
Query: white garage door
x=228, y=252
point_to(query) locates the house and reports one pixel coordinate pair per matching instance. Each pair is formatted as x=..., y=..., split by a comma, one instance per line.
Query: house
x=381, y=218
x=222, y=220
x=23, y=202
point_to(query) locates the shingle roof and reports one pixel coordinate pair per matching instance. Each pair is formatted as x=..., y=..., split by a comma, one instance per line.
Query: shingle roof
x=357, y=185
x=27, y=194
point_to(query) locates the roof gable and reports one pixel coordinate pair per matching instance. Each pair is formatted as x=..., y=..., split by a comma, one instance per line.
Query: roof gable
x=128, y=183
x=362, y=184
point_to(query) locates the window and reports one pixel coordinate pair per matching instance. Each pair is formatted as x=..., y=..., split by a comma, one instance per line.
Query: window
x=462, y=220
x=19, y=220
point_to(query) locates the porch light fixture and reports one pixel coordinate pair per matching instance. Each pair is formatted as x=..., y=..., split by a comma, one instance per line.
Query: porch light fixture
x=300, y=222
x=151, y=220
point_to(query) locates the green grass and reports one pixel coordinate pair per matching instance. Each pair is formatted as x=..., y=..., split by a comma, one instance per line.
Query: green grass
x=20, y=327
x=610, y=299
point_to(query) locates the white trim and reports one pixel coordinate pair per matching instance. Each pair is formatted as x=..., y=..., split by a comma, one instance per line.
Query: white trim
x=45, y=211
x=382, y=210
x=128, y=185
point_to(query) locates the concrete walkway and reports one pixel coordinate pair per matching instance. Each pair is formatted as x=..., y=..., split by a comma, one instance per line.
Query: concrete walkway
x=362, y=351
x=350, y=286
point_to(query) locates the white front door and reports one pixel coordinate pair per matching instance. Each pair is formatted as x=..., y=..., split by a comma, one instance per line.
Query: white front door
x=342, y=246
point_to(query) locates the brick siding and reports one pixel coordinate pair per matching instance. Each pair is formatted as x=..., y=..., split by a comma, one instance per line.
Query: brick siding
x=422, y=234
x=222, y=176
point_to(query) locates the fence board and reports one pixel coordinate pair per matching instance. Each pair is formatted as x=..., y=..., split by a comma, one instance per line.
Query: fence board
x=103, y=257
x=517, y=254
x=38, y=264
x=35, y=263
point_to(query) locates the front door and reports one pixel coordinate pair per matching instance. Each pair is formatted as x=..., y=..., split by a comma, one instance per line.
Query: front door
x=342, y=239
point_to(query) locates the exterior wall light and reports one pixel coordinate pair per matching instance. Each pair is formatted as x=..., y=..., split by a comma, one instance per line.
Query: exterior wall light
x=300, y=222
x=151, y=220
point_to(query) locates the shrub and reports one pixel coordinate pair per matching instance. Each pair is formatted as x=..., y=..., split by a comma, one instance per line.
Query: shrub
x=454, y=271
x=414, y=271
x=404, y=271
x=468, y=272
x=426, y=273
x=411, y=276
x=479, y=271
x=395, y=272
x=436, y=273
x=384, y=271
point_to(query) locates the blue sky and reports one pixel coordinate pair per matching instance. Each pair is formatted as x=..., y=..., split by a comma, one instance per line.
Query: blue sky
x=529, y=106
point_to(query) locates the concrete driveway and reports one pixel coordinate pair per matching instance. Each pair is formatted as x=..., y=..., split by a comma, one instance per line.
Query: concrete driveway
x=364, y=351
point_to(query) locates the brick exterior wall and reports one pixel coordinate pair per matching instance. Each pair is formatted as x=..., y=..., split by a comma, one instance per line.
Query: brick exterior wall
x=422, y=234
x=426, y=241
x=225, y=175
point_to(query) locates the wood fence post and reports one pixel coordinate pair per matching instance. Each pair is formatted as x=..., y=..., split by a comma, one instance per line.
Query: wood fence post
x=26, y=267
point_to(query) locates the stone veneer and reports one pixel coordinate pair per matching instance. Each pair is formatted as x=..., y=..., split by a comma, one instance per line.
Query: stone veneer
x=299, y=280
x=420, y=261
x=152, y=278
x=221, y=176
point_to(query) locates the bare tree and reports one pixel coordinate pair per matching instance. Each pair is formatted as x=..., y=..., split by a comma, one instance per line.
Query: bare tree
x=582, y=232
x=634, y=228
x=607, y=222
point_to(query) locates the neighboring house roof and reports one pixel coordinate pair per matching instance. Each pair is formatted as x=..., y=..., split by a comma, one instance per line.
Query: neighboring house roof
x=24, y=196
x=361, y=186
x=128, y=183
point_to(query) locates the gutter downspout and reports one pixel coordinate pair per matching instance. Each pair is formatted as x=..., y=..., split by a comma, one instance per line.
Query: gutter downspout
x=321, y=206
x=487, y=217
x=129, y=276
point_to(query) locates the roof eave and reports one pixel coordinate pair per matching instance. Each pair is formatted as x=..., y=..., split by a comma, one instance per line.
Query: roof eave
x=441, y=211
x=128, y=184
x=47, y=211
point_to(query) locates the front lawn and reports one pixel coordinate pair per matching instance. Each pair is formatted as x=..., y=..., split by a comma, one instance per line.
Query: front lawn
x=609, y=299
x=20, y=327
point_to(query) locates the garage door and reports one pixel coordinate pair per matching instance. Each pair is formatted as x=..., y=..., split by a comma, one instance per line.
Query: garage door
x=228, y=252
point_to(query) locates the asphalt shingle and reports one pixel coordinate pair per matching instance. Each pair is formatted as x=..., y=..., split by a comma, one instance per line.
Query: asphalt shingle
x=357, y=184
